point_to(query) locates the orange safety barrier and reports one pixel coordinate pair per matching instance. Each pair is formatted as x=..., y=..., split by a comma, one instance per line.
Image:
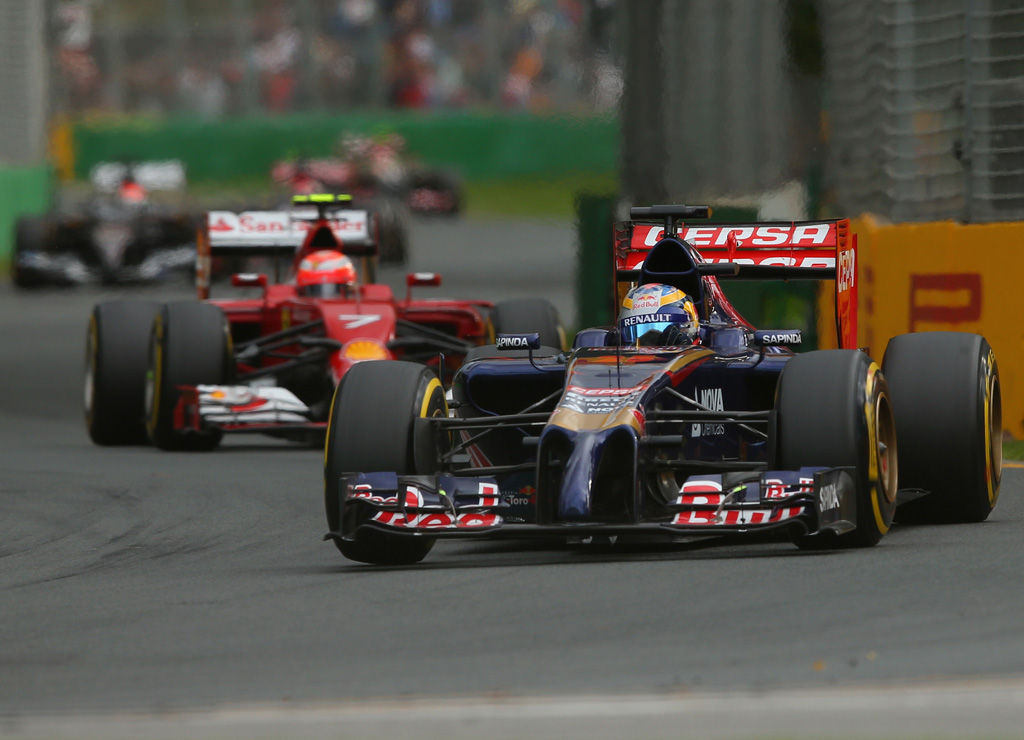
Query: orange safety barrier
x=941, y=276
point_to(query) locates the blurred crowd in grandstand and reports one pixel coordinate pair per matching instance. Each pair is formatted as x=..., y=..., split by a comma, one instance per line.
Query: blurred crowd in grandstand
x=271, y=56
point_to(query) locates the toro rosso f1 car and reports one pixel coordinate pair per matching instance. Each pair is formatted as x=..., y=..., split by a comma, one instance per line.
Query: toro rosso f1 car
x=183, y=374
x=119, y=235
x=720, y=431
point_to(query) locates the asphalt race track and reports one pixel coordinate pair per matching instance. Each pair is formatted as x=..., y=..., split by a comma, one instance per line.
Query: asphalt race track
x=150, y=594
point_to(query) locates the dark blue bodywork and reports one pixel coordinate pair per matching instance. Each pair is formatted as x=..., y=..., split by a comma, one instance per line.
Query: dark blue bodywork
x=720, y=378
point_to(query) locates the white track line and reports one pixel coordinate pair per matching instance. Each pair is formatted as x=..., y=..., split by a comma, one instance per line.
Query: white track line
x=961, y=709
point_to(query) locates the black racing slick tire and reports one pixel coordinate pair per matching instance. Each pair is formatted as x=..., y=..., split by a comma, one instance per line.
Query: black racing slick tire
x=31, y=234
x=948, y=406
x=372, y=429
x=392, y=231
x=529, y=316
x=116, y=360
x=190, y=344
x=833, y=409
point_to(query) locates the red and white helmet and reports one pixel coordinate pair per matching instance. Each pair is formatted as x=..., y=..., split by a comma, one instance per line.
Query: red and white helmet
x=130, y=191
x=326, y=273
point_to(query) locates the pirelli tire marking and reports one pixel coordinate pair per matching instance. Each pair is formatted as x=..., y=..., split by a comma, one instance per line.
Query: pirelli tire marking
x=433, y=386
x=91, y=348
x=153, y=376
x=882, y=466
x=993, y=426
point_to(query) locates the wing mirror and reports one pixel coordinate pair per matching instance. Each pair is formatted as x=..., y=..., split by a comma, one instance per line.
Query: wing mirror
x=420, y=280
x=529, y=342
x=249, y=280
x=517, y=341
x=778, y=337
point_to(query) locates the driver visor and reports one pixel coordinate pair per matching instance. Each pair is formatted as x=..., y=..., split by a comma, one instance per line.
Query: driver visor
x=648, y=335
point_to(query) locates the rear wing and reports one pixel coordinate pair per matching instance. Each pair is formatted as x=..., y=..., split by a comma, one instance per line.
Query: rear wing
x=788, y=250
x=168, y=174
x=325, y=170
x=278, y=234
x=263, y=232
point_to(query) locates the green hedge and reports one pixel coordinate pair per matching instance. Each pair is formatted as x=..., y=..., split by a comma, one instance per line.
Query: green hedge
x=479, y=146
x=23, y=190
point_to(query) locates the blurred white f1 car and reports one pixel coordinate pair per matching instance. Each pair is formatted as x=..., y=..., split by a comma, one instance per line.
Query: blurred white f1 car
x=118, y=235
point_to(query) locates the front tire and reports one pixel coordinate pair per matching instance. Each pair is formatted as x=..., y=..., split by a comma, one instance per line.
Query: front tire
x=833, y=409
x=31, y=234
x=190, y=345
x=116, y=361
x=372, y=429
x=948, y=403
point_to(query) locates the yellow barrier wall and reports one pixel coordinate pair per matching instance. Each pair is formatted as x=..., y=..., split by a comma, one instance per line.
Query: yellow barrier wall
x=942, y=277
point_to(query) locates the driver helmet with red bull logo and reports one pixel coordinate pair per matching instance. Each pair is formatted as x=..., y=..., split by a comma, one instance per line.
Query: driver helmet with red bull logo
x=657, y=315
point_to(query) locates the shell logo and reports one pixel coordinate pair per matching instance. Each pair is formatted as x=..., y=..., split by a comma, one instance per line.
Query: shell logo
x=364, y=349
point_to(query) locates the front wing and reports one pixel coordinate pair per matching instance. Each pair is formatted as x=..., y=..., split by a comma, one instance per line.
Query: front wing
x=241, y=408
x=54, y=267
x=808, y=501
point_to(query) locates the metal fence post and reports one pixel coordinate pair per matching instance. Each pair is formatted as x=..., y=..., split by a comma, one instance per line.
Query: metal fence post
x=594, y=267
x=23, y=78
x=967, y=139
x=241, y=11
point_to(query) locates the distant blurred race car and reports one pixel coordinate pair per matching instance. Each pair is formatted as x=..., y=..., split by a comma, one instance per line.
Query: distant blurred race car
x=378, y=174
x=371, y=166
x=183, y=374
x=118, y=235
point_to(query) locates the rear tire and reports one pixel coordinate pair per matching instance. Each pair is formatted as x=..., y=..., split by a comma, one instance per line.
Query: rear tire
x=392, y=231
x=190, y=344
x=372, y=429
x=529, y=316
x=116, y=361
x=948, y=404
x=833, y=409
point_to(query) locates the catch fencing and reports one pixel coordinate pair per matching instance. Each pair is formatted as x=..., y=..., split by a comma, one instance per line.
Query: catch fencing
x=24, y=180
x=253, y=57
x=712, y=109
x=23, y=66
x=925, y=108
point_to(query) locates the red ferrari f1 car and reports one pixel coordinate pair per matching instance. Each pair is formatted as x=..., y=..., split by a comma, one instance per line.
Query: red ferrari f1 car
x=680, y=421
x=183, y=374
